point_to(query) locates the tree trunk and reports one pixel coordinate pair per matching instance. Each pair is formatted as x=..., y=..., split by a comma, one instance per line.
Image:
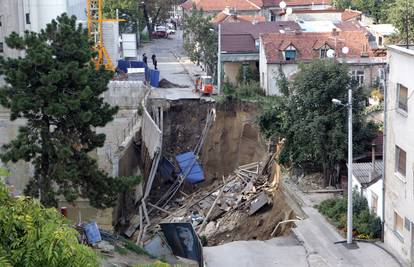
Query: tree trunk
x=45, y=183
x=146, y=17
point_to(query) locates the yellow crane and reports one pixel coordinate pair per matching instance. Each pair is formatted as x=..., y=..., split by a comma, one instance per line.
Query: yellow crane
x=94, y=11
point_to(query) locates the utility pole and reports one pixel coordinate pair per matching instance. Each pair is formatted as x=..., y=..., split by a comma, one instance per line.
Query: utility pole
x=219, y=61
x=349, y=215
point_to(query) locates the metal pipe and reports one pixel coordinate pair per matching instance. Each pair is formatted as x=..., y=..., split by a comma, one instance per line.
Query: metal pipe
x=384, y=153
x=349, y=222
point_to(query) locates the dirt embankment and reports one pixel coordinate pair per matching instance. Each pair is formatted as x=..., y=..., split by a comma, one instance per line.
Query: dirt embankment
x=233, y=140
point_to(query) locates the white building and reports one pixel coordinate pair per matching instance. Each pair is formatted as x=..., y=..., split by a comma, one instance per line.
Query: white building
x=399, y=156
x=369, y=184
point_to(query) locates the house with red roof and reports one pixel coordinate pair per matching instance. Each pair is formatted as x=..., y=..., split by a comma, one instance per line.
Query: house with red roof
x=272, y=10
x=213, y=7
x=240, y=44
x=282, y=52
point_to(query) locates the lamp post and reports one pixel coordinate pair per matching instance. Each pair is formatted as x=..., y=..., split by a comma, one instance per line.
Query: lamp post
x=345, y=50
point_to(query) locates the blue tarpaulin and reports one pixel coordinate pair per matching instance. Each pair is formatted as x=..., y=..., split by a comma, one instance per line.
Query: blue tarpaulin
x=92, y=233
x=195, y=174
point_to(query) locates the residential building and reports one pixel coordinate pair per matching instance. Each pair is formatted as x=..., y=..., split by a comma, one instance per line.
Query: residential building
x=283, y=51
x=399, y=154
x=240, y=44
x=381, y=33
x=212, y=8
x=230, y=15
x=33, y=15
x=272, y=10
x=329, y=14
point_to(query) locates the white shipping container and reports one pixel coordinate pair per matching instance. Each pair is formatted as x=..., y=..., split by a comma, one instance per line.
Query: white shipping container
x=129, y=45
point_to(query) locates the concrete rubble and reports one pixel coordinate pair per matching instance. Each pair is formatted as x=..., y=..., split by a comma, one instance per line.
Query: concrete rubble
x=245, y=191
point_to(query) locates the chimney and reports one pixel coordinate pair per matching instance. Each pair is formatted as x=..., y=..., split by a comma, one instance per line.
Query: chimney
x=373, y=173
x=227, y=10
x=335, y=31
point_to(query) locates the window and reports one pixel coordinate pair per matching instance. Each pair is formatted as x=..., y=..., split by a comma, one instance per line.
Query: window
x=27, y=18
x=358, y=76
x=1, y=47
x=290, y=53
x=398, y=224
x=400, y=161
x=407, y=224
x=402, y=97
x=1, y=21
x=380, y=41
x=374, y=203
x=257, y=44
x=324, y=51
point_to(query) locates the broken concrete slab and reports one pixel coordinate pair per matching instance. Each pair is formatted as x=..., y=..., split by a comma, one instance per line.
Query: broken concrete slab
x=261, y=201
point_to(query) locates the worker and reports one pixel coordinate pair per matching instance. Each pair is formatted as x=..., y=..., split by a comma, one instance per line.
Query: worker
x=145, y=58
x=154, y=61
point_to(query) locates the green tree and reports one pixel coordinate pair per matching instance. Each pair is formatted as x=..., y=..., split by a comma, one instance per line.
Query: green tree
x=145, y=12
x=373, y=8
x=200, y=39
x=401, y=15
x=314, y=129
x=58, y=90
x=31, y=235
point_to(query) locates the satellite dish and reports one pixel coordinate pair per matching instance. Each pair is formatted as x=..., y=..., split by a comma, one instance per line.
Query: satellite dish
x=345, y=50
x=330, y=53
x=282, y=5
x=289, y=11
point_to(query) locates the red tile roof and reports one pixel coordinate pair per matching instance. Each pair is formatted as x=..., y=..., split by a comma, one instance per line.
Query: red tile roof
x=307, y=44
x=275, y=3
x=240, y=37
x=219, y=5
x=225, y=17
x=349, y=14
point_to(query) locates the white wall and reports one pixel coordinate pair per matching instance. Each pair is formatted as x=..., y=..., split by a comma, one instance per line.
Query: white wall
x=42, y=12
x=377, y=190
x=273, y=72
x=399, y=195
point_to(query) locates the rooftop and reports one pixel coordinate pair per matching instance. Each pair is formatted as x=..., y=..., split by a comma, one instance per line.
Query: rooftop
x=224, y=16
x=308, y=44
x=219, y=5
x=241, y=37
x=362, y=171
x=275, y=3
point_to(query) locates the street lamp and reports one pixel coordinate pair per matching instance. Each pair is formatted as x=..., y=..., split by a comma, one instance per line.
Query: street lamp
x=331, y=54
x=349, y=213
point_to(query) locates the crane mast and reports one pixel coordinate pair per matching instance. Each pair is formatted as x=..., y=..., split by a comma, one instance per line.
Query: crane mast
x=95, y=21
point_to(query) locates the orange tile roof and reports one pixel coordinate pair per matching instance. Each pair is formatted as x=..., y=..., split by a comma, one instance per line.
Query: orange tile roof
x=225, y=17
x=307, y=44
x=275, y=3
x=219, y=5
x=349, y=14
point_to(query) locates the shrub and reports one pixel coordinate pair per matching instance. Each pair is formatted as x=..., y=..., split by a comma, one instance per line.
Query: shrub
x=366, y=224
x=31, y=235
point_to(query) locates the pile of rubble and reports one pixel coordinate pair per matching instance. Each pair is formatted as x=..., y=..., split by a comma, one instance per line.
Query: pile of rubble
x=220, y=209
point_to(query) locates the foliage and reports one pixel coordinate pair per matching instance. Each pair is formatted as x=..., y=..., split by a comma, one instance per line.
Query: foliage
x=31, y=235
x=247, y=74
x=401, y=15
x=374, y=108
x=377, y=95
x=155, y=264
x=146, y=13
x=366, y=224
x=376, y=9
x=314, y=129
x=200, y=40
x=4, y=172
x=58, y=90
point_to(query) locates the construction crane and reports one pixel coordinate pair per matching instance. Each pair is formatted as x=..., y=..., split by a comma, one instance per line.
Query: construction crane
x=94, y=11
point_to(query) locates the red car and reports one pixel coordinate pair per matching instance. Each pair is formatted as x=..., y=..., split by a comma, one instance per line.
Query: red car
x=159, y=32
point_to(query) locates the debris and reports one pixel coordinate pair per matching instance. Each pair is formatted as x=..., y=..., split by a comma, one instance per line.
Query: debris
x=159, y=248
x=92, y=233
x=164, y=83
x=258, y=203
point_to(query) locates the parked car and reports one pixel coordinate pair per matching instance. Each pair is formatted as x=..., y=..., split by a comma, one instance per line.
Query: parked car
x=160, y=32
x=170, y=31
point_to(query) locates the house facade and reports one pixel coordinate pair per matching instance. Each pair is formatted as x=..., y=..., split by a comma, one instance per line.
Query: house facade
x=272, y=10
x=399, y=163
x=240, y=45
x=281, y=53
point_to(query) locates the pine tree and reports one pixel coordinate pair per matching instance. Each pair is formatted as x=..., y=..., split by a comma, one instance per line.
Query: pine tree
x=57, y=89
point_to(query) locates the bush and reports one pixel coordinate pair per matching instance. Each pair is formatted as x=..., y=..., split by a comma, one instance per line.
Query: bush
x=366, y=224
x=31, y=235
x=249, y=90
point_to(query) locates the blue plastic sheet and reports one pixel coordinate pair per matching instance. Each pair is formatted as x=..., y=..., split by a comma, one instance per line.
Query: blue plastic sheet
x=189, y=164
x=92, y=233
